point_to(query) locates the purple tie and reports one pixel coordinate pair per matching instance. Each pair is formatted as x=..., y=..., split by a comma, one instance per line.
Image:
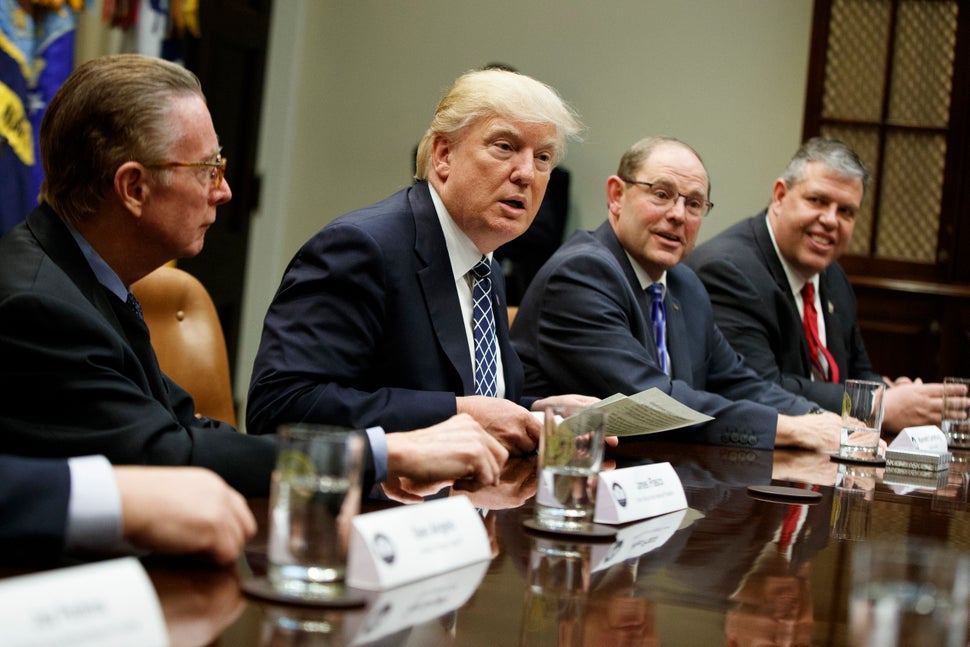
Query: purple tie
x=659, y=317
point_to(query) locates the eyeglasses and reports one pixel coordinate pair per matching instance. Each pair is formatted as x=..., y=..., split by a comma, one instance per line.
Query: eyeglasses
x=665, y=196
x=217, y=169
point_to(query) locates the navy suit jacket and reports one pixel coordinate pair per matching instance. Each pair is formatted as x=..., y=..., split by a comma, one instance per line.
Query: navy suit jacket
x=584, y=327
x=33, y=508
x=366, y=327
x=78, y=375
x=754, y=307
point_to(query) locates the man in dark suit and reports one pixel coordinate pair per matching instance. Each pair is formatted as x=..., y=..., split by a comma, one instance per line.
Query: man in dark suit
x=133, y=176
x=52, y=508
x=756, y=272
x=373, y=321
x=588, y=322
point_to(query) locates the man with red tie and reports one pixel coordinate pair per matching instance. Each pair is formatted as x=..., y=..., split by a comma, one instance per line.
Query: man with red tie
x=781, y=298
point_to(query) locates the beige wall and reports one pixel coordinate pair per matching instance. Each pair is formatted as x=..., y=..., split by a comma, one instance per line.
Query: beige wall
x=352, y=85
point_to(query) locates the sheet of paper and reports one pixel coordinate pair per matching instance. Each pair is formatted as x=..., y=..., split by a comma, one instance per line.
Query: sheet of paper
x=647, y=412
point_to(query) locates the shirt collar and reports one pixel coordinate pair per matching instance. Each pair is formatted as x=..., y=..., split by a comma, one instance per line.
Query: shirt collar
x=795, y=280
x=643, y=278
x=462, y=252
x=102, y=271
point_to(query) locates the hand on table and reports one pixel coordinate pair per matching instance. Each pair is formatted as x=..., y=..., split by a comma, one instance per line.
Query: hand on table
x=183, y=510
x=512, y=425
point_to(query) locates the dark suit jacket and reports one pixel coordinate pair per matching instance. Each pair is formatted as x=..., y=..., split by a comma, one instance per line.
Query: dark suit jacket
x=754, y=307
x=33, y=508
x=584, y=327
x=78, y=374
x=366, y=327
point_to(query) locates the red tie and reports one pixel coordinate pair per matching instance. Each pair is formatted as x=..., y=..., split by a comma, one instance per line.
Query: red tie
x=816, y=350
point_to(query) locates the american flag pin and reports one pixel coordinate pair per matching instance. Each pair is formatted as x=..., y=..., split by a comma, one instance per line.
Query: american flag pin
x=831, y=307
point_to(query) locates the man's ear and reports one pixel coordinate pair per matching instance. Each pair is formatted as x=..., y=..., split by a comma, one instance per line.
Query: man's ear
x=131, y=186
x=615, y=187
x=441, y=149
x=779, y=191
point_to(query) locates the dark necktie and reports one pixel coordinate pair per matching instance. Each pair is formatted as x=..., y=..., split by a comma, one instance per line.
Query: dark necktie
x=483, y=326
x=659, y=317
x=824, y=367
x=134, y=306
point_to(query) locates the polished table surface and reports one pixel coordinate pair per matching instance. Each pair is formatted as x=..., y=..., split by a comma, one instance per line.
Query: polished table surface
x=735, y=570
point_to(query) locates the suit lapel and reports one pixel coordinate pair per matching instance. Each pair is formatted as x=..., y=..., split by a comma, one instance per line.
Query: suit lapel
x=608, y=238
x=61, y=248
x=767, y=250
x=437, y=285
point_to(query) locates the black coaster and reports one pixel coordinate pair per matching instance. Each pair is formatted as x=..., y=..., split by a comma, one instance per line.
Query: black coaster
x=260, y=587
x=877, y=461
x=783, y=494
x=595, y=532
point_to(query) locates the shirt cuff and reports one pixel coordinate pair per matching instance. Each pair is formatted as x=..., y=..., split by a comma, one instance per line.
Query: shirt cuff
x=94, y=506
x=378, y=447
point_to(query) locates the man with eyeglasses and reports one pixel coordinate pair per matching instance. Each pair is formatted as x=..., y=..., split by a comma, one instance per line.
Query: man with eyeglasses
x=615, y=311
x=133, y=176
x=781, y=298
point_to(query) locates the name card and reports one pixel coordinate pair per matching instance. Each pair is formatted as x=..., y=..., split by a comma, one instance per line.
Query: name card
x=396, y=546
x=405, y=606
x=638, y=492
x=104, y=604
x=926, y=438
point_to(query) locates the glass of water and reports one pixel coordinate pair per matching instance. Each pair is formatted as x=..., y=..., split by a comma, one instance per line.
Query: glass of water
x=314, y=496
x=862, y=411
x=956, y=411
x=570, y=456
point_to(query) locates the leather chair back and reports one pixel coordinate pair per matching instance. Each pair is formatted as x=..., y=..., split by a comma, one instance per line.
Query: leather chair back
x=187, y=338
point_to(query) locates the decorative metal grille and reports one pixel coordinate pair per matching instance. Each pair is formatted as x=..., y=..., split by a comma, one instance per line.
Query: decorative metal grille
x=888, y=81
x=856, y=62
x=923, y=63
x=912, y=187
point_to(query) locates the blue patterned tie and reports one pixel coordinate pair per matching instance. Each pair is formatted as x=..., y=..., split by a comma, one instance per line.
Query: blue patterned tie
x=483, y=324
x=659, y=316
x=134, y=306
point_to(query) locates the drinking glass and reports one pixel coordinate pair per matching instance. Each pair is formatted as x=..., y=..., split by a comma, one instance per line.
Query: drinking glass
x=862, y=410
x=314, y=496
x=570, y=455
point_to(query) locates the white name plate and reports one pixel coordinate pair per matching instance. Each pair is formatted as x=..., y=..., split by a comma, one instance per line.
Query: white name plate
x=928, y=438
x=104, y=604
x=638, y=492
x=395, y=609
x=396, y=546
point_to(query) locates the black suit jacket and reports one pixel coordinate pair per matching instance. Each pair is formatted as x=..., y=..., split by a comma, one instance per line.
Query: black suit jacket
x=584, y=327
x=78, y=375
x=366, y=328
x=754, y=307
x=33, y=508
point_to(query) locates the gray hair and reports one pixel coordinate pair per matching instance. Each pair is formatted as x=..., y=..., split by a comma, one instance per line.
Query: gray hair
x=834, y=154
x=495, y=92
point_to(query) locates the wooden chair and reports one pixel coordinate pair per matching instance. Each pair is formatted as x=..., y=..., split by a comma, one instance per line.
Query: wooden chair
x=187, y=338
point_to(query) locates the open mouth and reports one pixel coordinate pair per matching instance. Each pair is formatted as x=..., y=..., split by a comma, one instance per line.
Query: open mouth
x=516, y=204
x=667, y=236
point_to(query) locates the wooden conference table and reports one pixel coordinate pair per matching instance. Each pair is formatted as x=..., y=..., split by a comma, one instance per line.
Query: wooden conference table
x=733, y=569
